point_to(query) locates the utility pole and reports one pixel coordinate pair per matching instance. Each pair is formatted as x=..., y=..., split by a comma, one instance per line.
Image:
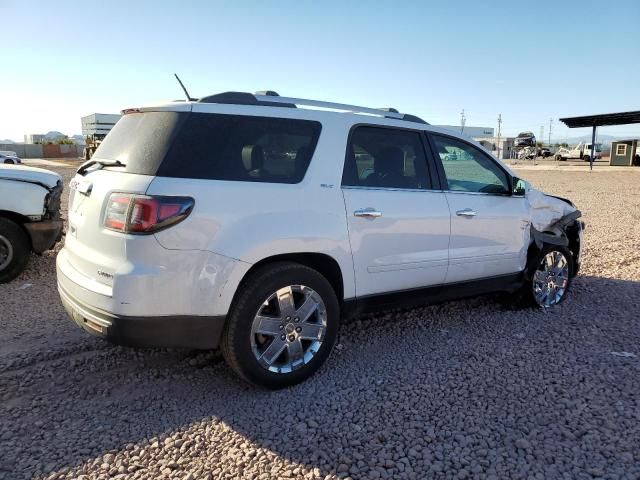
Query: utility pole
x=541, y=137
x=499, y=125
x=550, y=125
x=463, y=121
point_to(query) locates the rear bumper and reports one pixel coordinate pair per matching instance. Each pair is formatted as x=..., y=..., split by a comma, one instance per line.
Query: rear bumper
x=199, y=332
x=44, y=234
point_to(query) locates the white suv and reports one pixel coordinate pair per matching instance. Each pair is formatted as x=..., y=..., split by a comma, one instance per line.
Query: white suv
x=255, y=224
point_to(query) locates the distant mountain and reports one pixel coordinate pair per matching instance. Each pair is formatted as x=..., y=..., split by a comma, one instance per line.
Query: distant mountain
x=53, y=135
x=6, y=141
x=78, y=139
x=604, y=139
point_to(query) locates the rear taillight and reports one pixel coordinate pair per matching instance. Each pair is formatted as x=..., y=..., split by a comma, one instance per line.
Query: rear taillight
x=142, y=214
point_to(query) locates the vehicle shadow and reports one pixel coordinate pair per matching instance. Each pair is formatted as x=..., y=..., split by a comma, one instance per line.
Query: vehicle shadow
x=407, y=393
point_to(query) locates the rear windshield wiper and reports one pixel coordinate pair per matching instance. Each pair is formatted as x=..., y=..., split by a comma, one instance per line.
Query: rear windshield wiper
x=102, y=164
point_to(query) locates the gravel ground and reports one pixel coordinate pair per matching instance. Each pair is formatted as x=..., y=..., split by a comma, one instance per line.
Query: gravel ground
x=467, y=389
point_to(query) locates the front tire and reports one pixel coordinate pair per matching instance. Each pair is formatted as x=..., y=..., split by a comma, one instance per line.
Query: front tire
x=586, y=158
x=549, y=277
x=282, y=325
x=14, y=250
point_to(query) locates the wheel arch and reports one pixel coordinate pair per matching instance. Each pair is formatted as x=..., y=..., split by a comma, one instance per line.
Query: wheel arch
x=19, y=220
x=324, y=264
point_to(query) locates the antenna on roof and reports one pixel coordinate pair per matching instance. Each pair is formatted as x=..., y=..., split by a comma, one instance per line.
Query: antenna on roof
x=189, y=99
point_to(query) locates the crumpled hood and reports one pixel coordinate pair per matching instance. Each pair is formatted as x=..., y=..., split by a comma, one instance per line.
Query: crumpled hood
x=545, y=209
x=23, y=173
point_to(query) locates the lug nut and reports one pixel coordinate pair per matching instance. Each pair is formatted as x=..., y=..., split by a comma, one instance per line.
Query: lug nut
x=281, y=326
x=288, y=318
x=282, y=337
x=292, y=338
x=296, y=319
x=298, y=329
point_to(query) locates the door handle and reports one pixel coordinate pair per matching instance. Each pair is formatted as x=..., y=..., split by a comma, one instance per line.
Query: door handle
x=467, y=212
x=367, y=213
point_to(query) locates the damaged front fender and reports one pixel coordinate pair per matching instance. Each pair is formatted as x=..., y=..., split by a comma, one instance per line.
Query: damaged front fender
x=554, y=221
x=556, y=233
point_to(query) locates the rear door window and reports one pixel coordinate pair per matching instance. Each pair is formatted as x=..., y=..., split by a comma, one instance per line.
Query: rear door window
x=385, y=158
x=241, y=148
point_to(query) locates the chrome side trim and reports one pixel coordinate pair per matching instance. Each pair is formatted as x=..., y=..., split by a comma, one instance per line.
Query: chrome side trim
x=352, y=187
x=407, y=266
x=458, y=192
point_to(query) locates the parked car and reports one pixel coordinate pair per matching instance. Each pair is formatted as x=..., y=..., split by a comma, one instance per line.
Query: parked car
x=255, y=224
x=544, y=152
x=525, y=139
x=527, y=153
x=9, y=158
x=29, y=216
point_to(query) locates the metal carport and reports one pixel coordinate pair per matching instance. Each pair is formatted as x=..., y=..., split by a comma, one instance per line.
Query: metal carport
x=594, y=121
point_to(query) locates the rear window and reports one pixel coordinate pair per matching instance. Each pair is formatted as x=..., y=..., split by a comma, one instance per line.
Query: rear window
x=141, y=140
x=213, y=146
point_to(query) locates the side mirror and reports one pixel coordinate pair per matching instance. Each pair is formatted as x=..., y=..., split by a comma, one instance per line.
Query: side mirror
x=519, y=187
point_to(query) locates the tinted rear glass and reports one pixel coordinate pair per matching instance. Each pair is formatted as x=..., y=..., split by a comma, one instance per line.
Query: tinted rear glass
x=242, y=148
x=141, y=140
x=212, y=146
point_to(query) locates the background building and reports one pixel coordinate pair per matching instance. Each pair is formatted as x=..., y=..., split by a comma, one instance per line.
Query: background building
x=502, y=148
x=625, y=152
x=473, y=132
x=34, y=137
x=97, y=125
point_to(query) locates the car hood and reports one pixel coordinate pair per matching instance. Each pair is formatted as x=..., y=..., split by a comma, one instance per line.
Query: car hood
x=22, y=173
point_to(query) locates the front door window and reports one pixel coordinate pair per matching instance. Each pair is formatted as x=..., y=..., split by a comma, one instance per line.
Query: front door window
x=468, y=169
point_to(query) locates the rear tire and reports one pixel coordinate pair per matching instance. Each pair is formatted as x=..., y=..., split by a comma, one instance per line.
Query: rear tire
x=14, y=250
x=245, y=350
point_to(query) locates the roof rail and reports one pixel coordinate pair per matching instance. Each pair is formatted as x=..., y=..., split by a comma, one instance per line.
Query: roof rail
x=271, y=98
x=330, y=106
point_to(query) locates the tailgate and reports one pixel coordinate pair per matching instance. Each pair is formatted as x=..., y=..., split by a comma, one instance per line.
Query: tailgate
x=92, y=250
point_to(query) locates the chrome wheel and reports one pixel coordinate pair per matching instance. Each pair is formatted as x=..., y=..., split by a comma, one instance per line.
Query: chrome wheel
x=551, y=279
x=6, y=252
x=288, y=329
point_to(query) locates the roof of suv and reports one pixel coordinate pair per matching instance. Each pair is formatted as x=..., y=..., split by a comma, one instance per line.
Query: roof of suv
x=272, y=99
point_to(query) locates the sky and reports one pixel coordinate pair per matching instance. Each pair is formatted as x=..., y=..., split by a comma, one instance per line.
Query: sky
x=529, y=61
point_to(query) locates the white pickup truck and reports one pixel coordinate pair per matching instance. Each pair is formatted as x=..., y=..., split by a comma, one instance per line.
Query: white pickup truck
x=29, y=215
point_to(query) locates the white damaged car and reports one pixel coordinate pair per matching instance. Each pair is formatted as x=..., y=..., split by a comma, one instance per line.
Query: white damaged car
x=256, y=223
x=29, y=215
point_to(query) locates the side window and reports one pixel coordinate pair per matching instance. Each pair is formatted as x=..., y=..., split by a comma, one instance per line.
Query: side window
x=241, y=148
x=385, y=157
x=468, y=169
